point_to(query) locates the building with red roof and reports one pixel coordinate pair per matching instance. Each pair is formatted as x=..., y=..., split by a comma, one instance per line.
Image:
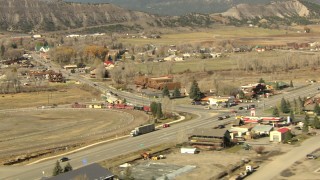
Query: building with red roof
x=279, y=135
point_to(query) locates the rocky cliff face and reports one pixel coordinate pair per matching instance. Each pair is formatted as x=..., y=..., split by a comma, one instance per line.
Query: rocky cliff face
x=280, y=9
x=49, y=15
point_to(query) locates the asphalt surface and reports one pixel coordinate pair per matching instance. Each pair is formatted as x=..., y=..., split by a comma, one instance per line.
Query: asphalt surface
x=131, y=144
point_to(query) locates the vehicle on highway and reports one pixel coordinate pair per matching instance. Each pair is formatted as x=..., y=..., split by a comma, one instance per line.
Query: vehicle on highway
x=311, y=156
x=221, y=126
x=252, y=106
x=166, y=125
x=196, y=103
x=142, y=130
x=220, y=118
x=64, y=159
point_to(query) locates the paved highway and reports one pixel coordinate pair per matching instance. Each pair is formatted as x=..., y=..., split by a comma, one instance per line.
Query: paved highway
x=131, y=144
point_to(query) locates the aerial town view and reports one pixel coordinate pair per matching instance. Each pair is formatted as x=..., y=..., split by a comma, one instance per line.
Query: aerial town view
x=159, y=89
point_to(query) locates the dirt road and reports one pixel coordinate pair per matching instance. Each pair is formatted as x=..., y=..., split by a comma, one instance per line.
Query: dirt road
x=283, y=162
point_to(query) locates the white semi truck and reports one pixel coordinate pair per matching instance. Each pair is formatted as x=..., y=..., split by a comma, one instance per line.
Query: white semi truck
x=143, y=130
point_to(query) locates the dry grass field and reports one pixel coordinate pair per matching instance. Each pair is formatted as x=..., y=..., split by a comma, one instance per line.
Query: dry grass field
x=213, y=34
x=64, y=95
x=28, y=131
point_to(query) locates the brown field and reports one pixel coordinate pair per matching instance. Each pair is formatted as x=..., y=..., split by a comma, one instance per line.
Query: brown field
x=64, y=95
x=24, y=132
x=238, y=35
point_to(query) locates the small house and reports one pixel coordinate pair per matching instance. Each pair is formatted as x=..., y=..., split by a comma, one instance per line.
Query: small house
x=279, y=135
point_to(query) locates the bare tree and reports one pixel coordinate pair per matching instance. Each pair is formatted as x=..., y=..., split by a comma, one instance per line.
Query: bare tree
x=168, y=67
x=100, y=71
x=150, y=67
x=129, y=72
x=117, y=75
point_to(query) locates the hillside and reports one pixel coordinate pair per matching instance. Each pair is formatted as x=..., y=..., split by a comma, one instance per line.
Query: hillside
x=176, y=7
x=279, y=9
x=49, y=15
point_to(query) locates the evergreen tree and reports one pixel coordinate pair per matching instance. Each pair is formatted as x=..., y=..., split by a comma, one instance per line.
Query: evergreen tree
x=68, y=167
x=241, y=95
x=176, y=92
x=14, y=45
x=295, y=106
x=316, y=109
x=305, y=127
x=195, y=92
x=159, y=111
x=57, y=169
x=61, y=40
x=165, y=91
x=154, y=107
x=275, y=112
x=288, y=106
x=316, y=123
x=283, y=106
x=291, y=83
x=3, y=50
x=287, y=137
x=261, y=80
x=300, y=105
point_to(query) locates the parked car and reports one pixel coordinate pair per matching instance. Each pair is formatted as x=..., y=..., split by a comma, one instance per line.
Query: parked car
x=252, y=106
x=165, y=125
x=207, y=107
x=311, y=156
x=220, y=118
x=226, y=116
x=240, y=108
x=64, y=159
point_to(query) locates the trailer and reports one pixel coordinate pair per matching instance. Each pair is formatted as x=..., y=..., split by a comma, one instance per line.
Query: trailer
x=143, y=130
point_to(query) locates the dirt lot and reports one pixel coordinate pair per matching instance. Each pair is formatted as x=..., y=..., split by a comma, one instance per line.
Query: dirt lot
x=303, y=169
x=207, y=164
x=24, y=132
